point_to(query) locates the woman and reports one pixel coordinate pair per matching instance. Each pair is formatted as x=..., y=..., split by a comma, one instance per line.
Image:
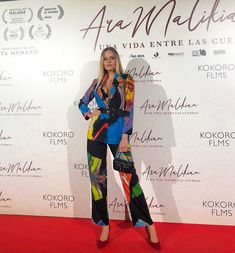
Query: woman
x=111, y=125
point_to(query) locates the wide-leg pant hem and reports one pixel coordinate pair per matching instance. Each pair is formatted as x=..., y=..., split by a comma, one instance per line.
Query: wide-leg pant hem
x=101, y=223
x=134, y=196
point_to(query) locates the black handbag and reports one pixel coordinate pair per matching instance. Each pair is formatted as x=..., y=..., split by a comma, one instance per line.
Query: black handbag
x=121, y=165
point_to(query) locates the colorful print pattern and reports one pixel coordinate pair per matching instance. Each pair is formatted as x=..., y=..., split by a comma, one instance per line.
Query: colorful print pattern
x=135, y=198
x=109, y=128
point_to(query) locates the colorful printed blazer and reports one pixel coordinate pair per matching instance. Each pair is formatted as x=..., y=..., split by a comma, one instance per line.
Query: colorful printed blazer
x=108, y=128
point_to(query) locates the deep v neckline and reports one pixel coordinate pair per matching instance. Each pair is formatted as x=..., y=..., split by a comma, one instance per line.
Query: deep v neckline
x=115, y=94
x=101, y=91
x=107, y=91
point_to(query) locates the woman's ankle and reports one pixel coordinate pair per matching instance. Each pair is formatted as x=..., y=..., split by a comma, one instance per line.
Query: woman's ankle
x=104, y=233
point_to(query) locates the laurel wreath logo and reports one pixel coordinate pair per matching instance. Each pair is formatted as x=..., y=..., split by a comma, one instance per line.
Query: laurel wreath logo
x=48, y=35
x=61, y=12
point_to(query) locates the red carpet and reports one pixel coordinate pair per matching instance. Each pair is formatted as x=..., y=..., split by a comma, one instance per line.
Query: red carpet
x=33, y=234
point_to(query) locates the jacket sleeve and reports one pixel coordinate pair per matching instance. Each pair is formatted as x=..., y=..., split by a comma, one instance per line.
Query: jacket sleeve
x=129, y=105
x=88, y=96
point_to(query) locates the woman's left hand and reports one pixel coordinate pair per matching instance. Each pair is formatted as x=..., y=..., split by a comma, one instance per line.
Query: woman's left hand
x=123, y=143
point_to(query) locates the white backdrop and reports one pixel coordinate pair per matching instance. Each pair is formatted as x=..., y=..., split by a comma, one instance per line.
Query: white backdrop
x=181, y=55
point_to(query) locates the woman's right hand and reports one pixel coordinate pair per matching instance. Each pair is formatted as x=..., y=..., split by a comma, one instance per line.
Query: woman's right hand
x=95, y=112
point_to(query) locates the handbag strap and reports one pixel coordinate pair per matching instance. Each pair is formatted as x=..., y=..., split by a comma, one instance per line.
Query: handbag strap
x=125, y=77
x=118, y=154
x=125, y=154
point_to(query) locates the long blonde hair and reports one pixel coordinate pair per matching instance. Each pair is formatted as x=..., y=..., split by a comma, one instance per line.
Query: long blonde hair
x=118, y=68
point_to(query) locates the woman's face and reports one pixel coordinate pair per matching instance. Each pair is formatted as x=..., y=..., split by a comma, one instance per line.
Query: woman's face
x=109, y=60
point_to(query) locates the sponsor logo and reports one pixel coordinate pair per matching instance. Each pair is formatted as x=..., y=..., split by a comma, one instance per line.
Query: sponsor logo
x=136, y=56
x=218, y=139
x=200, y=52
x=58, y=138
x=20, y=169
x=176, y=54
x=219, y=52
x=156, y=55
x=60, y=201
x=216, y=71
x=58, y=76
x=219, y=208
x=82, y=168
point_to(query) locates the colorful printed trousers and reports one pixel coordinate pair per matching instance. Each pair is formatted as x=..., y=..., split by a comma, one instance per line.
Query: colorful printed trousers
x=97, y=152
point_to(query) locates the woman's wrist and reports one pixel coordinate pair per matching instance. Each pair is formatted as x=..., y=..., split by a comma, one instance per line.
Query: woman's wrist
x=89, y=114
x=124, y=137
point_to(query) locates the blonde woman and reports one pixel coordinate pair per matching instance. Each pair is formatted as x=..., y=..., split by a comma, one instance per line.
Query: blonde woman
x=111, y=125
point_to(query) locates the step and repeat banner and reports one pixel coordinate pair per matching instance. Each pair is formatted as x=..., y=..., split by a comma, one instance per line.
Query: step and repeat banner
x=181, y=55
